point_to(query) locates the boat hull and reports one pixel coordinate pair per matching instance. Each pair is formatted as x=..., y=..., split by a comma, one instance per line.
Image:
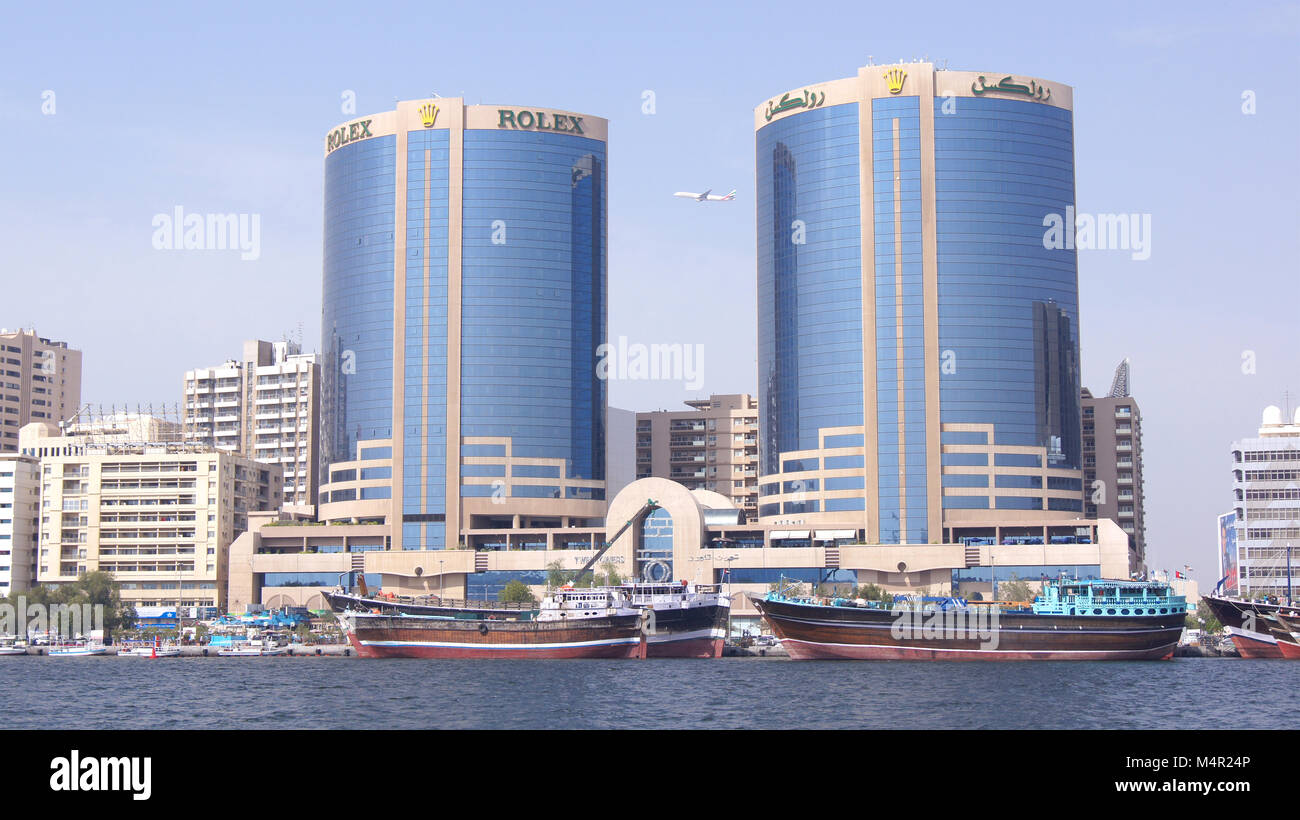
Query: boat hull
x=811, y=632
x=399, y=636
x=1245, y=625
x=344, y=602
x=676, y=632
x=695, y=632
x=1253, y=645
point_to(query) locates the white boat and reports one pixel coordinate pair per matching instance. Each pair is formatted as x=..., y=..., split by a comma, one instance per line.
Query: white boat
x=254, y=646
x=251, y=649
x=77, y=649
x=157, y=649
x=10, y=645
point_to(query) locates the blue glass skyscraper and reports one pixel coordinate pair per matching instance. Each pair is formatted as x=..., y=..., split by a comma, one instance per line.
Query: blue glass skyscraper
x=464, y=302
x=918, y=339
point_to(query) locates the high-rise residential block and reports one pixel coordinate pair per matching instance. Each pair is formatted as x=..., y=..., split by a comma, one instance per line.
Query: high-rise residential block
x=713, y=446
x=40, y=380
x=264, y=405
x=125, y=496
x=20, y=506
x=1266, y=495
x=1112, y=463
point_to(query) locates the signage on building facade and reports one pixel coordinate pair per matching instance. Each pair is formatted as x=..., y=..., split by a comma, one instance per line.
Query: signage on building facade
x=428, y=114
x=1007, y=85
x=539, y=121
x=343, y=135
x=809, y=99
x=895, y=77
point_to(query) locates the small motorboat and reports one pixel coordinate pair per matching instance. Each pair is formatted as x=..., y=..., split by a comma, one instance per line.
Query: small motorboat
x=157, y=649
x=77, y=649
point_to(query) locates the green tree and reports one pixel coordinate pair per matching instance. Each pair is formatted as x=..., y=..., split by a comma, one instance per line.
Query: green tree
x=94, y=588
x=1203, y=618
x=101, y=588
x=517, y=592
x=612, y=578
x=1015, y=590
x=556, y=575
x=871, y=592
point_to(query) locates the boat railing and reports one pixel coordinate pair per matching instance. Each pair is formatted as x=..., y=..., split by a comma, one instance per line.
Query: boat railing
x=451, y=603
x=1135, y=600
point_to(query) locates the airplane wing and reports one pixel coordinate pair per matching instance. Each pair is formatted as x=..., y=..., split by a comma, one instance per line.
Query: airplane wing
x=704, y=196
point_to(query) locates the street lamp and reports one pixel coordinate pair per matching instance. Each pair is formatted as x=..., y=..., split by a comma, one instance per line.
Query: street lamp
x=727, y=574
x=993, y=574
x=441, y=583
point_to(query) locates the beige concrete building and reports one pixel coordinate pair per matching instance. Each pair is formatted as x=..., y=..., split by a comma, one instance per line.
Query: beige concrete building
x=1112, y=462
x=695, y=535
x=1266, y=499
x=265, y=405
x=713, y=446
x=40, y=380
x=20, y=505
x=158, y=514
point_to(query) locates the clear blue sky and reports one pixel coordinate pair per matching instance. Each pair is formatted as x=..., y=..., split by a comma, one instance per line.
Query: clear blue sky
x=222, y=108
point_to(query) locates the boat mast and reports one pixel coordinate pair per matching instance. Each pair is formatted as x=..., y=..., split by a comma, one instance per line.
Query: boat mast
x=1289, y=600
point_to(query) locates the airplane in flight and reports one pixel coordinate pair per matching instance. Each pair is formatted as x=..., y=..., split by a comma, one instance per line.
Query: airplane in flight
x=707, y=196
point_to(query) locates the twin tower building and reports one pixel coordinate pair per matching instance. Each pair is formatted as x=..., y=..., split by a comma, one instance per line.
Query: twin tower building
x=918, y=342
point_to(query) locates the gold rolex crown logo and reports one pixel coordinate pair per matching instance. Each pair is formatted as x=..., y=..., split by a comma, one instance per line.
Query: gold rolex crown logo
x=428, y=114
x=895, y=78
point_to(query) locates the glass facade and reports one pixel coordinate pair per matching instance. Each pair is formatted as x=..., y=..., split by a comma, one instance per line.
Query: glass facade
x=654, y=556
x=357, y=303
x=533, y=277
x=809, y=280
x=424, y=455
x=533, y=298
x=1005, y=307
x=1008, y=307
x=900, y=320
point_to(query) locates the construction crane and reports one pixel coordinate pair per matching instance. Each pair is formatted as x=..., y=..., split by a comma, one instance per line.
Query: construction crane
x=649, y=506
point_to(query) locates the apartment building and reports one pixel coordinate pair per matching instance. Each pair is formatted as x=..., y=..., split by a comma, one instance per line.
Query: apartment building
x=19, y=519
x=159, y=515
x=712, y=446
x=40, y=380
x=1266, y=493
x=1112, y=462
x=263, y=405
